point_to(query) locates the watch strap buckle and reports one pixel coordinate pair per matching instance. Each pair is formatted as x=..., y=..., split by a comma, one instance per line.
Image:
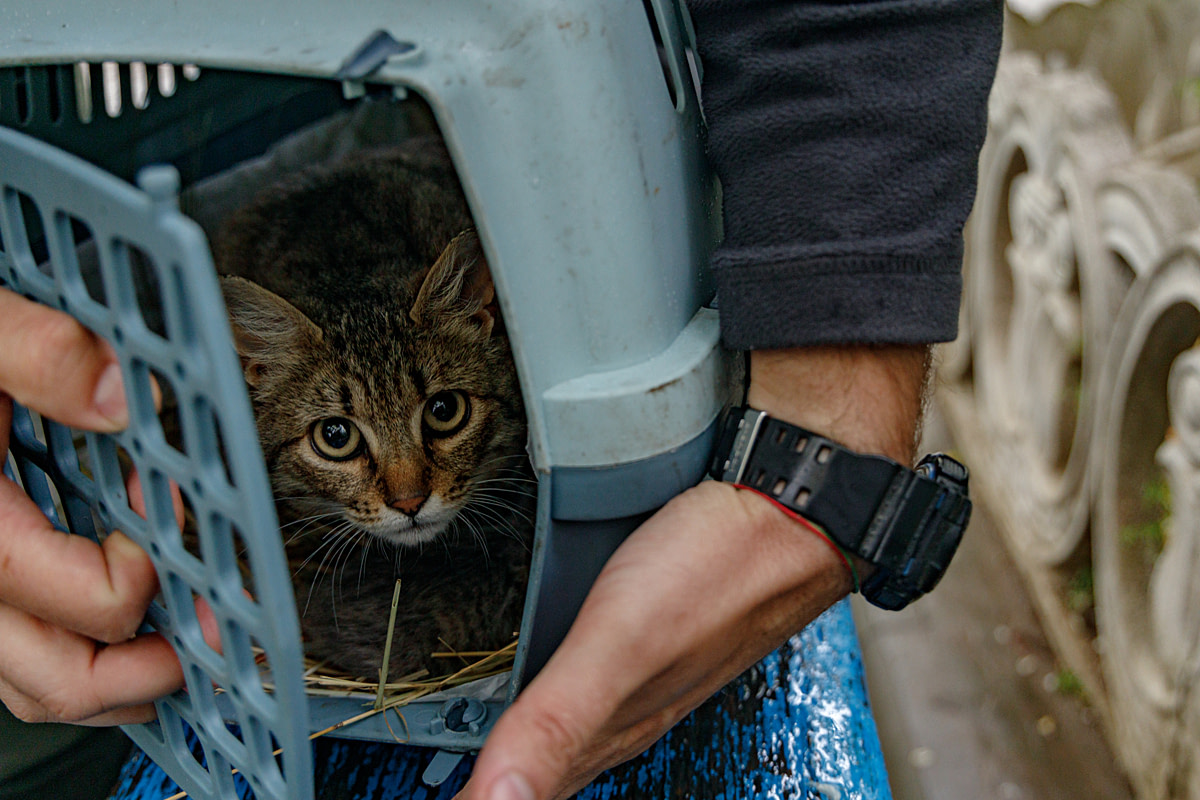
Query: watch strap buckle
x=738, y=435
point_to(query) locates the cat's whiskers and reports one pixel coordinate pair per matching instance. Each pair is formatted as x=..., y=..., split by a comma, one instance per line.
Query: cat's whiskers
x=505, y=485
x=304, y=504
x=497, y=470
x=308, y=523
x=326, y=541
x=520, y=464
x=497, y=514
x=328, y=538
x=444, y=541
x=333, y=542
x=297, y=507
x=341, y=543
x=496, y=524
x=508, y=477
x=342, y=559
x=463, y=520
x=366, y=551
x=505, y=457
x=511, y=500
x=331, y=537
x=515, y=482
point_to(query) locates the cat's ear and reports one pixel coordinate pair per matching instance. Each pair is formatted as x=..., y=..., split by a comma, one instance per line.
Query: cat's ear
x=267, y=330
x=459, y=284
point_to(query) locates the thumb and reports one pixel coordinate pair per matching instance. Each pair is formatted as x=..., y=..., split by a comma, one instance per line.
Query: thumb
x=542, y=747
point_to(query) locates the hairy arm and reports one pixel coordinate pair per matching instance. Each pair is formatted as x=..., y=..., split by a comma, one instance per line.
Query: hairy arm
x=639, y=657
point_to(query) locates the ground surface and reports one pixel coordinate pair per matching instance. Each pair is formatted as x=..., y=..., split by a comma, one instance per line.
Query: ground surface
x=963, y=687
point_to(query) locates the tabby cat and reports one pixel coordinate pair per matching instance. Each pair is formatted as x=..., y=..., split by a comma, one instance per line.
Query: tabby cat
x=387, y=407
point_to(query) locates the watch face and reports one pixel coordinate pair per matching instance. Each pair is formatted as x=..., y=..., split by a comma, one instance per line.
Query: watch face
x=935, y=542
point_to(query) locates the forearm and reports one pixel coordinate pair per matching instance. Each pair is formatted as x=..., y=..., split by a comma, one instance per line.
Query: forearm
x=867, y=397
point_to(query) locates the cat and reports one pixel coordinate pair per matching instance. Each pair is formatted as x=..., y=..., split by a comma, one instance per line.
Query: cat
x=387, y=406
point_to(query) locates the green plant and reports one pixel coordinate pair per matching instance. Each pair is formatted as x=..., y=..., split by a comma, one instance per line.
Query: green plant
x=1080, y=590
x=1156, y=508
x=1066, y=682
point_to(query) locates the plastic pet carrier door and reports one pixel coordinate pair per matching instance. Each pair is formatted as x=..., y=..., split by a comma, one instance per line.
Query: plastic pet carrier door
x=220, y=470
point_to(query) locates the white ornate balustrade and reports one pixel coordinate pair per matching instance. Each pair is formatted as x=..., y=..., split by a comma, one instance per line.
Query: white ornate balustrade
x=1074, y=393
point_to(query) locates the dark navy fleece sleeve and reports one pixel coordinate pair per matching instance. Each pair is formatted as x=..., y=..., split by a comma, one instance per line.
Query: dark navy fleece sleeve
x=845, y=135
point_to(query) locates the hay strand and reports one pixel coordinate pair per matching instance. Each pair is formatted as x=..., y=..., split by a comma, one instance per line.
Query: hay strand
x=408, y=689
x=387, y=647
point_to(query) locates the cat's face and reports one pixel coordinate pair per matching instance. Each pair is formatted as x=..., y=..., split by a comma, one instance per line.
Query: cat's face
x=392, y=419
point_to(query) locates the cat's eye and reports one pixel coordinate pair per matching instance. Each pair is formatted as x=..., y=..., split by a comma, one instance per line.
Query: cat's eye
x=337, y=439
x=446, y=412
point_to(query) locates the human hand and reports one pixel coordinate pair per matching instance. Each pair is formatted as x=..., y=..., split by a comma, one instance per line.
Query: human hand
x=703, y=590
x=69, y=608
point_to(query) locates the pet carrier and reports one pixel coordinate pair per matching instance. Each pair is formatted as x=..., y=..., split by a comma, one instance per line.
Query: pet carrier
x=600, y=272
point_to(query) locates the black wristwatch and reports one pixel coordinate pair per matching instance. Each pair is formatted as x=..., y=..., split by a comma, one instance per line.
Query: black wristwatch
x=905, y=522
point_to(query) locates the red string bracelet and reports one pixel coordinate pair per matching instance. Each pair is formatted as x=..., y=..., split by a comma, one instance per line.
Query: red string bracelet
x=811, y=526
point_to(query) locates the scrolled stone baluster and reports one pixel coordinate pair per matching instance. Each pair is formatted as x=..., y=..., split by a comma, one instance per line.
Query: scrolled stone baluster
x=1175, y=584
x=1146, y=533
x=1037, y=273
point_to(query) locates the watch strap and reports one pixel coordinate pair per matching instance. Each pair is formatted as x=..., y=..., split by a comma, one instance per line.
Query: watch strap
x=906, y=523
x=818, y=478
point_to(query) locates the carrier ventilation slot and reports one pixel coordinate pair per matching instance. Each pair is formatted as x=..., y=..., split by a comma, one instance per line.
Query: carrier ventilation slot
x=121, y=116
x=125, y=86
x=45, y=94
x=677, y=51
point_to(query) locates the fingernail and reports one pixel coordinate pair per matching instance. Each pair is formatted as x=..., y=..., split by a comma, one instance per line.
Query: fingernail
x=109, y=398
x=511, y=786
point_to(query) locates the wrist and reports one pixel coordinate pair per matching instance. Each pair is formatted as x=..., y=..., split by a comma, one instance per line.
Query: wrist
x=799, y=564
x=854, y=566
x=810, y=442
x=906, y=521
x=868, y=398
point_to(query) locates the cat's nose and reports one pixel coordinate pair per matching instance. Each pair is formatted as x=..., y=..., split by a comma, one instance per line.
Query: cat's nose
x=409, y=505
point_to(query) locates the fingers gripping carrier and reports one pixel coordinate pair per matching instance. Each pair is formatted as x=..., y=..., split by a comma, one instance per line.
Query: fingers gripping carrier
x=77, y=479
